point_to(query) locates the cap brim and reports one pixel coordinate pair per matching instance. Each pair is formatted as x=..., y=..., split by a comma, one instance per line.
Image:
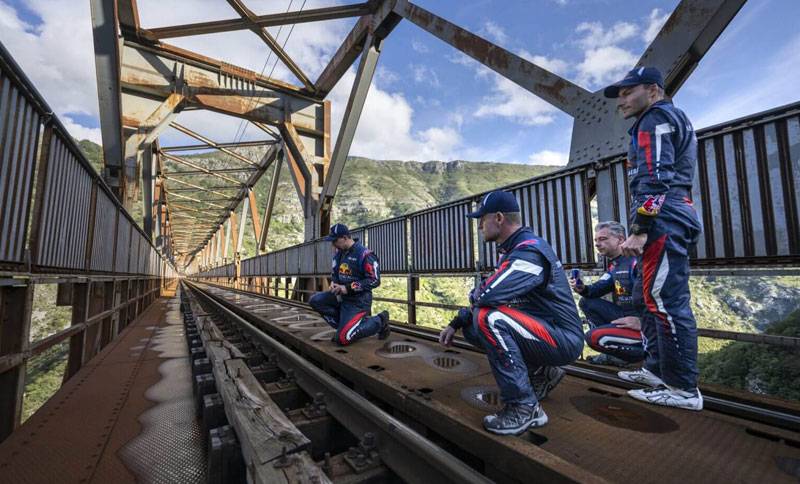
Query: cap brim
x=330, y=238
x=475, y=214
x=612, y=91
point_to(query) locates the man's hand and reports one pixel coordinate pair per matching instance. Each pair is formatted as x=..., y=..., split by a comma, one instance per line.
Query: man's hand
x=446, y=336
x=630, y=322
x=634, y=245
x=575, y=286
x=338, y=289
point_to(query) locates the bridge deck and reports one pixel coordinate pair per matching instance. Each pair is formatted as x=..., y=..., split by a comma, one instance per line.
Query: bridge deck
x=126, y=416
x=594, y=426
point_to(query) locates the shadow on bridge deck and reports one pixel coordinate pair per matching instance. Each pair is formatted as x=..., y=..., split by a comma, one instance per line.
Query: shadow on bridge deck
x=127, y=416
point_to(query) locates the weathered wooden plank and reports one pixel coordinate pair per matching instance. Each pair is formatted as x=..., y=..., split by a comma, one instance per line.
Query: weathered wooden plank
x=266, y=435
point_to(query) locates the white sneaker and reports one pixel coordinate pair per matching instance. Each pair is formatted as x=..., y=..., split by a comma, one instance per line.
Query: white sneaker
x=670, y=397
x=642, y=376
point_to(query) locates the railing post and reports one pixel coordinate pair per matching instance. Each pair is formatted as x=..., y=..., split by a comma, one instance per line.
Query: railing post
x=15, y=322
x=80, y=309
x=413, y=287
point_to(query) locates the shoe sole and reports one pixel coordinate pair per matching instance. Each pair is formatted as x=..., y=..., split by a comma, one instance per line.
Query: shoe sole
x=538, y=422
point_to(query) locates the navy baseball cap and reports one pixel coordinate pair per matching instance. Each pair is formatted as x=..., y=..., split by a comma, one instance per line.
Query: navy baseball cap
x=639, y=75
x=497, y=201
x=338, y=230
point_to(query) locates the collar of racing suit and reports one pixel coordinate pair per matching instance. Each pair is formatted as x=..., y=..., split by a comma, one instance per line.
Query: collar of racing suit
x=513, y=239
x=635, y=126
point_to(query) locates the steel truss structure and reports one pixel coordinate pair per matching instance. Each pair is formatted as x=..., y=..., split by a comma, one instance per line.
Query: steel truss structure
x=143, y=82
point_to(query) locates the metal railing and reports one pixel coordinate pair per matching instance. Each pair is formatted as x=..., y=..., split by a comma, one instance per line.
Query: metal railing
x=60, y=223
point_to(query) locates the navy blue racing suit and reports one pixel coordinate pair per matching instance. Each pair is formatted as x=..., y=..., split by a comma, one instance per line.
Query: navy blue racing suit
x=624, y=343
x=350, y=314
x=523, y=315
x=661, y=164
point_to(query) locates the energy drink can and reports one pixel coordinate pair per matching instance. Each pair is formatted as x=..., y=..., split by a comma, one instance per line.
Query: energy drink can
x=576, y=274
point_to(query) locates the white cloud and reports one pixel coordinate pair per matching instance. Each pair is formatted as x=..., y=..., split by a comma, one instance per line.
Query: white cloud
x=386, y=128
x=60, y=66
x=604, y=60
x=424, y=75
x=494, y=32
x=604, y=65
x=655, y=21
x=81, y=132
x=549, y=157
x=595, y=35
x=509, y=100
x=419, y=47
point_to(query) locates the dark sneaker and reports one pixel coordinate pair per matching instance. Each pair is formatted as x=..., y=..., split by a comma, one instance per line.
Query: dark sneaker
x=608, y=360
x=544, y=379
x=515, y=419
x=670, y=397
x=385, y=328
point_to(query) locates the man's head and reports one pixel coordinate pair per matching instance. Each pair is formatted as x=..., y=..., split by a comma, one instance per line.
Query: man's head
x=339, y=237
x=608, y=238
x=641, y=88
x=498, y=216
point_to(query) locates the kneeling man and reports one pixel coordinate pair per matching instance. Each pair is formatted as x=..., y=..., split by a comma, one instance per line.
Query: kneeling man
x=347, y=305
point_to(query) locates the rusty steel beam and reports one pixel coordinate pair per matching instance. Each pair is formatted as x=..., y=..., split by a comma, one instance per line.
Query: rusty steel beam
x=199, y=188
x=205, y=146
x=201, y=172
x=687, y=35
x=380, y=24
x=199, y=168
x=149, y=129
x=251, y=198
x=271, y=20
x=352, y=113
x=165, y=55
x=196, y=200
x=107, y=66
x=552, y=88
x=212, y=144
x=269, y=157
x=128, y=14
x=299, y=166
x=268, y=39
x=273, y=189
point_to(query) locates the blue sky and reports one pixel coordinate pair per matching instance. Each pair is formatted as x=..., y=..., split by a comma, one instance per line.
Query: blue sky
x=428, y=101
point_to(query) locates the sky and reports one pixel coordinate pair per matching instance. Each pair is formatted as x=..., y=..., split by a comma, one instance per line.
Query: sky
x=428, y=101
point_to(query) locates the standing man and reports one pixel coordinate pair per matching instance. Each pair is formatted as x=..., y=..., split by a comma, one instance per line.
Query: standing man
x=661, y=164
x=523, y=315
x=614, y=325
x=347, y=305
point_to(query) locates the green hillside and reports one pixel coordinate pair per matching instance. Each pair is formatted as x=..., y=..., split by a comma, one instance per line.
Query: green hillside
x=758, y=368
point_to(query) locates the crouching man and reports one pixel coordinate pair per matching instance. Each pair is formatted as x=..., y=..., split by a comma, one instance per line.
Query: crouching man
x=347, y=305
x=523, y=315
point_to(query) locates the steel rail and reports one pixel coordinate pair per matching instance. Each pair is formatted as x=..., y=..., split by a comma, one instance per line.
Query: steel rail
x=407, y=453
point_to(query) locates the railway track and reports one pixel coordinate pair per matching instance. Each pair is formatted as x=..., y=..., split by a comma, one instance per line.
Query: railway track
x=439, y=397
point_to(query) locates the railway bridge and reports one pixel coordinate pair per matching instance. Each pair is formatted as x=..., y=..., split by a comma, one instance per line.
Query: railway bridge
x=187, y=363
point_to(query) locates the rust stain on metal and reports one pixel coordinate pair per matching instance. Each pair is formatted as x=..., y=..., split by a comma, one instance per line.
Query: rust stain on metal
x=556, y=90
